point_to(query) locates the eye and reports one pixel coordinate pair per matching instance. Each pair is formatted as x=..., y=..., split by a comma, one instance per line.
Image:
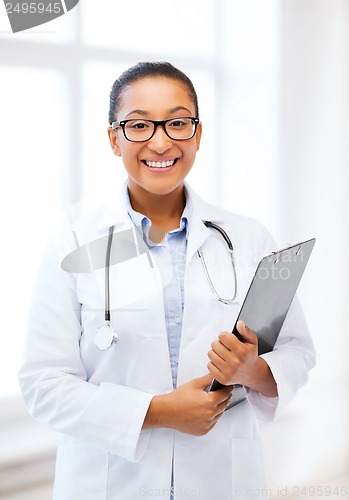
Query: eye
x=179, y=122
x=138, y=125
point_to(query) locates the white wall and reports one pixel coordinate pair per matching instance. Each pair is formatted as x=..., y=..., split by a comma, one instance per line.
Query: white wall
x=313, y=184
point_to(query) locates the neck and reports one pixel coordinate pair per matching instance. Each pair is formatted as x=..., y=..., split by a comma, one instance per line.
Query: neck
x=163, y=210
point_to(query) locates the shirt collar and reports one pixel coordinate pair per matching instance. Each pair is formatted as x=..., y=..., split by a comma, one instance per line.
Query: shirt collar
x=143, y=223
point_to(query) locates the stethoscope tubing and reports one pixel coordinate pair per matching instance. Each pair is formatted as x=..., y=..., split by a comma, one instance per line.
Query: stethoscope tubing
x=231, y=251
x=107, y=275
x=105, y=335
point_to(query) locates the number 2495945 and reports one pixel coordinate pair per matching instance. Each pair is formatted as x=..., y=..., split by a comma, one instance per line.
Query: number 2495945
x=33, y=8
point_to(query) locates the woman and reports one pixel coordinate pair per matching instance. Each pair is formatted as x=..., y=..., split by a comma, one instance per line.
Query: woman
x=135, y=416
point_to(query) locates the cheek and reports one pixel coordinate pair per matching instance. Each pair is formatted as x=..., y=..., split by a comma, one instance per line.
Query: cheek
x=129, y=153
x=125, y=149
x=190, y=155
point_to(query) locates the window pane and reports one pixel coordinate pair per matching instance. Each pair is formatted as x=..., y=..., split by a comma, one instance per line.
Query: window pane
x=204, y=172
x=32, y=104
x=101, y=169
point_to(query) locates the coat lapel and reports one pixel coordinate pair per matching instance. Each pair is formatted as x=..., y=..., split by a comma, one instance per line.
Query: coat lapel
x=198, y=232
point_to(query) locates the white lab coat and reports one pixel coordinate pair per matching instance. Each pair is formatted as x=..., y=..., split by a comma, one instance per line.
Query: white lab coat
x=98, y=400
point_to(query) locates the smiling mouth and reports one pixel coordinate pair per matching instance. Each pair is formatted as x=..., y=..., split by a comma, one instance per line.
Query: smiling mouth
x=160, y=164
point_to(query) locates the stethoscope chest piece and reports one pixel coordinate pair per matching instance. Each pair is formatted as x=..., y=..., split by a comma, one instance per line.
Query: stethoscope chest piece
x=105, y=337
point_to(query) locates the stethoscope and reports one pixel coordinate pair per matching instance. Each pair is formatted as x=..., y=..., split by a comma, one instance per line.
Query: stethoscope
x=106, y=336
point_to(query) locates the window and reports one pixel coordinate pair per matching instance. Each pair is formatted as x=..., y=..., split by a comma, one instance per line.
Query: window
x=55, y=83
x=34, y=102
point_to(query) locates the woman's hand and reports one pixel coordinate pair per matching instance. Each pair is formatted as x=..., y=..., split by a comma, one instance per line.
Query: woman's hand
x=236, y=362
x=189, y=408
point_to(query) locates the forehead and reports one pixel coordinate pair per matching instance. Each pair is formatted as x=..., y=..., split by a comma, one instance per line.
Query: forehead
x=155, y=94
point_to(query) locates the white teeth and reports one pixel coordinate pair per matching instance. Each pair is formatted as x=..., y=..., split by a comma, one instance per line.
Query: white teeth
x=160, y=164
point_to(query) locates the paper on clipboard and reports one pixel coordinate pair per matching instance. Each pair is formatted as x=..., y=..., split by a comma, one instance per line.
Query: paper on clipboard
x=268, y=300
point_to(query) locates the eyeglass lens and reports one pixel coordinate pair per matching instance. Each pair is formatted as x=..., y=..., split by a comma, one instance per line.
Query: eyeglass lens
x=142, y=130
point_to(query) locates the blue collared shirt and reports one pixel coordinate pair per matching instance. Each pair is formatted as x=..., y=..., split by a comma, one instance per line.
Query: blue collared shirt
x=170, y=257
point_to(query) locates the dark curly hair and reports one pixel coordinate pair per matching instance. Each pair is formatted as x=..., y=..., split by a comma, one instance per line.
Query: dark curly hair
x=143, y=70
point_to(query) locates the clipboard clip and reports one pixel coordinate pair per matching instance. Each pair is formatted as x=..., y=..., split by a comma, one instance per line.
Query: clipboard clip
x=297, y=247
x=289, y=246
x=282, y=249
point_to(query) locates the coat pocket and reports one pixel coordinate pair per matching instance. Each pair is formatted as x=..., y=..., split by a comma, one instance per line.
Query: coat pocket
x=248, y=479
x=81, y=473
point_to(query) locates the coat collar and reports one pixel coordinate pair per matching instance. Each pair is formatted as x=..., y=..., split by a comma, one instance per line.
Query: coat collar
x=198, y=232
x=115, y=214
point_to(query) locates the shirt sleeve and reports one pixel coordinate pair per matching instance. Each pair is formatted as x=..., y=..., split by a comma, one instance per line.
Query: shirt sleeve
x=54, y=382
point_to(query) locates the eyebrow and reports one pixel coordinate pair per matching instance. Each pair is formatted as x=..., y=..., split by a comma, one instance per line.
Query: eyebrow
x=145, y=113
x=137, y=112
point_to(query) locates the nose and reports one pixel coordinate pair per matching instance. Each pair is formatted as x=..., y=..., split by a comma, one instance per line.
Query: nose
x=160, y=142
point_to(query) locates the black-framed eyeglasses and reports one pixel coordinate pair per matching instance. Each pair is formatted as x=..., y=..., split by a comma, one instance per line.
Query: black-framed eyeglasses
x=181, y=128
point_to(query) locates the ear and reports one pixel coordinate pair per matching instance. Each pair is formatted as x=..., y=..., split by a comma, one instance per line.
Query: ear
x=114, y=143
x=198, y=136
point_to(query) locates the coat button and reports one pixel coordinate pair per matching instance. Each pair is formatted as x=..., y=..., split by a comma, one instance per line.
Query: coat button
x=183, y=451
x=191, y=333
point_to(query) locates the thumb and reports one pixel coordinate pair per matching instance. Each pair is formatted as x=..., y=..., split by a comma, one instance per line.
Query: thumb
x=203, y=382
x=248, y=335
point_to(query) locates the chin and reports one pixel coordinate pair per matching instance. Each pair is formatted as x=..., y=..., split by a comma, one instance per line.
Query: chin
x=162, y=188
x=166, y=190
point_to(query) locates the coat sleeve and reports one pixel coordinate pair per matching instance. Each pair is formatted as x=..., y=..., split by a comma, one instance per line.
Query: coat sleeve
x=53, y=379
x=290, y=361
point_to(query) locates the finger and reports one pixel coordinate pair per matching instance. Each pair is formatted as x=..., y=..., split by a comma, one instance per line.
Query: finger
x=226, y=340
x=220, y=346
x=217, y=358
x=232, y=343
x=212, y=425
x=214, y=370
x=217, y=416
x=247, y=334
x=221, y=408
x=221, y=395
x=226, y=376
x=204, y=381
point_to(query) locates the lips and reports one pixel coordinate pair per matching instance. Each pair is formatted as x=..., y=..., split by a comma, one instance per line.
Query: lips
x=160, y=164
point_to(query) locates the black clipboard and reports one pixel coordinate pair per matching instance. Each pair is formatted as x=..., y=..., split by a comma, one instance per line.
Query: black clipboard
x=268, y=300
